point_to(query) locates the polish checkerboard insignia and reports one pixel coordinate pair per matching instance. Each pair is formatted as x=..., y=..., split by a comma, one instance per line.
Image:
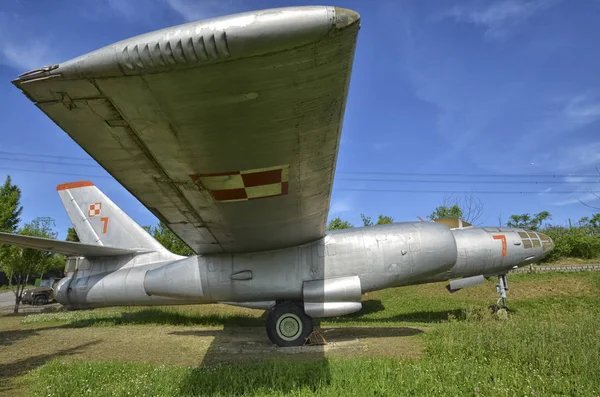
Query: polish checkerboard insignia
x=245, y=185
x=95, y=209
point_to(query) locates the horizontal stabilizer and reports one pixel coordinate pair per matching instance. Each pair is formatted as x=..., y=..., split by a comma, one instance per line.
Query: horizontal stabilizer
x=64, y=247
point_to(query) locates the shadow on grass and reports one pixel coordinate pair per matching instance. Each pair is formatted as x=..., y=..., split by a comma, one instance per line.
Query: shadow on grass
x=374, y=306
x=427, y=316
x=241, y=361
x=20, y=367
x=336, y=334
x=11, y=336
x=161, y=317
x=281, y=377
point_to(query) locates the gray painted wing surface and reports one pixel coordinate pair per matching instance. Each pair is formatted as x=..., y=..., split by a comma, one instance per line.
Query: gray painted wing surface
x=63, y=247
x=226, y=129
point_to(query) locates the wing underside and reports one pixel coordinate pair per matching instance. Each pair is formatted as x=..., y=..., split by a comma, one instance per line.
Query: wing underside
x=227, y=130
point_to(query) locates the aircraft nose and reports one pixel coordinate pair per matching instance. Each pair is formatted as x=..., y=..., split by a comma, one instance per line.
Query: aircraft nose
x=547, y=243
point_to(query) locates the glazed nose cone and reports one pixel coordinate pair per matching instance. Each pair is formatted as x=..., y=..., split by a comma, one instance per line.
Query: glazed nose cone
x=345, y=17
x=547, y=243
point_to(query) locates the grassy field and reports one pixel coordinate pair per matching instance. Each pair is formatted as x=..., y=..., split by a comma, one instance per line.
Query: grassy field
x=414, y=341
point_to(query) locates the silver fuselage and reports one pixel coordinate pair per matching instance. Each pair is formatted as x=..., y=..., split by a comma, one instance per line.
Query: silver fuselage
x=361, y=259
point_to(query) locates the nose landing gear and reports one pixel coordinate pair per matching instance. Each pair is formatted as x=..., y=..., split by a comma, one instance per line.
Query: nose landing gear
x=501, y=289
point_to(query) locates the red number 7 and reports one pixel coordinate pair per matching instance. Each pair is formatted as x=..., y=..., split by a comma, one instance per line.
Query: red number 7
x=105, y=222
x=498, y=237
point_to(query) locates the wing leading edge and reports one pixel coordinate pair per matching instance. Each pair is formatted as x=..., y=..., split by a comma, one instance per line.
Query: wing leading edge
x=226, y=129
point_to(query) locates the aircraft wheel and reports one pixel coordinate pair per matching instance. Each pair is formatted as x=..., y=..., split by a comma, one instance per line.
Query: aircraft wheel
x=288, y=325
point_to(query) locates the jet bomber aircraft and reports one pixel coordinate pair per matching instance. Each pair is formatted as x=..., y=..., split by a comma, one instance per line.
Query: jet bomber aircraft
x=228, y=131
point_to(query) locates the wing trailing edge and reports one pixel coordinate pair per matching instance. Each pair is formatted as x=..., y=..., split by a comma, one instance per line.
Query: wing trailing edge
x=65, y=247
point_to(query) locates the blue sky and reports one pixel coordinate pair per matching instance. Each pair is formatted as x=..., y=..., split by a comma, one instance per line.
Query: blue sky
x=438, y=87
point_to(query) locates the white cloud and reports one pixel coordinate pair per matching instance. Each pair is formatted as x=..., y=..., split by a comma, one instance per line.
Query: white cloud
x=577, y=156
x=139, y=12
x=589, y=198
x=342, y=202
x=575, y=179
x=498, y=18
x=341, y=206
x=20, y=50
x=192, y=10
x=126, y=9
x=25, y=56
x=582, y=109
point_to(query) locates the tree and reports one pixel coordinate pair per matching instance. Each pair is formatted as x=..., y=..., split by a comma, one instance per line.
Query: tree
x=338, y=224
x=381, y=220
x=384, y=220
x=454, y=212
x=467, y=208
x=72, y=235
x=10, y=208
x=10, y=211
x=169, y=240
x=21, y=264
x=595, y=196
x=527, y=221
x=591, y=225
x=366, y=220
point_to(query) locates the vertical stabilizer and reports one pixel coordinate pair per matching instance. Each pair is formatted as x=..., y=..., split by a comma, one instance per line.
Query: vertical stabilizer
x=97, y=220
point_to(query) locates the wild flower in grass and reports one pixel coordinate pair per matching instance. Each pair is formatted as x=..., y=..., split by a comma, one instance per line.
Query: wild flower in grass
x=476, y=390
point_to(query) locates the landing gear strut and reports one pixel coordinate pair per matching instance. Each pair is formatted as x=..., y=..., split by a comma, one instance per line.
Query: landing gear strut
x=288, y=325
x=501, y=289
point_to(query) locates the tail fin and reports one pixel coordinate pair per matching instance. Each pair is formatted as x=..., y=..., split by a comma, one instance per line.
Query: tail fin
x=97, y=220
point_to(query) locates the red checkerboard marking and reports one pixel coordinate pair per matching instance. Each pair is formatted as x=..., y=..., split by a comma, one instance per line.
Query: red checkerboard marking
x=95, y=209
x=245, y=185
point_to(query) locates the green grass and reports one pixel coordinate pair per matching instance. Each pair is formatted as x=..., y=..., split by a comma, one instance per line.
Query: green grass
x=474, y=354
x=549, y=345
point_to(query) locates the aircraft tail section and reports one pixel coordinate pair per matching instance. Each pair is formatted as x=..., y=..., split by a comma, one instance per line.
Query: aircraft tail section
x=97, y=220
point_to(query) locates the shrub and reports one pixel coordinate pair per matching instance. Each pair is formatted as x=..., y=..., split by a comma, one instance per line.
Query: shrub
x=576, y=242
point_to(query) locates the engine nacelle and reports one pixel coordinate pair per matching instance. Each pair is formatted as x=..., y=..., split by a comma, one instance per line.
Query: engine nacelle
x=61, y=290
x=466, y=282
x=332, y=297
x=179, y=279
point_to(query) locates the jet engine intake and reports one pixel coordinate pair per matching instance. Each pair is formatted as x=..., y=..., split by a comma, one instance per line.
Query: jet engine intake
x=332, y=297
x=61, y=290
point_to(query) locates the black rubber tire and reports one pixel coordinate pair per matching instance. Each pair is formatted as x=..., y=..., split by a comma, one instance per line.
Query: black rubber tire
x=294, y=315
x=39, y=300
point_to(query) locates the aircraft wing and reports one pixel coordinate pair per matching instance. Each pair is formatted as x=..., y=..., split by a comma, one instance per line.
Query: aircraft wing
x=63, y=247
x=226, y=129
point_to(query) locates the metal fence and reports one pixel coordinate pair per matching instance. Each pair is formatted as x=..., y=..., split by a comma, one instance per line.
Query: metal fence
x=545, y=269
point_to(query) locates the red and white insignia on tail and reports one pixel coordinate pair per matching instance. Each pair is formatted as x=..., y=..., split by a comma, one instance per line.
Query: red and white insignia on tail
x=95, y=209
x=245, y=185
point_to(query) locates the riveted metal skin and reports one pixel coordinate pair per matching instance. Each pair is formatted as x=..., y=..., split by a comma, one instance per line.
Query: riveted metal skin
x=492, y=251
x=332, y=296
x=239, y=94
x=329, y=275
x=228, y=131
